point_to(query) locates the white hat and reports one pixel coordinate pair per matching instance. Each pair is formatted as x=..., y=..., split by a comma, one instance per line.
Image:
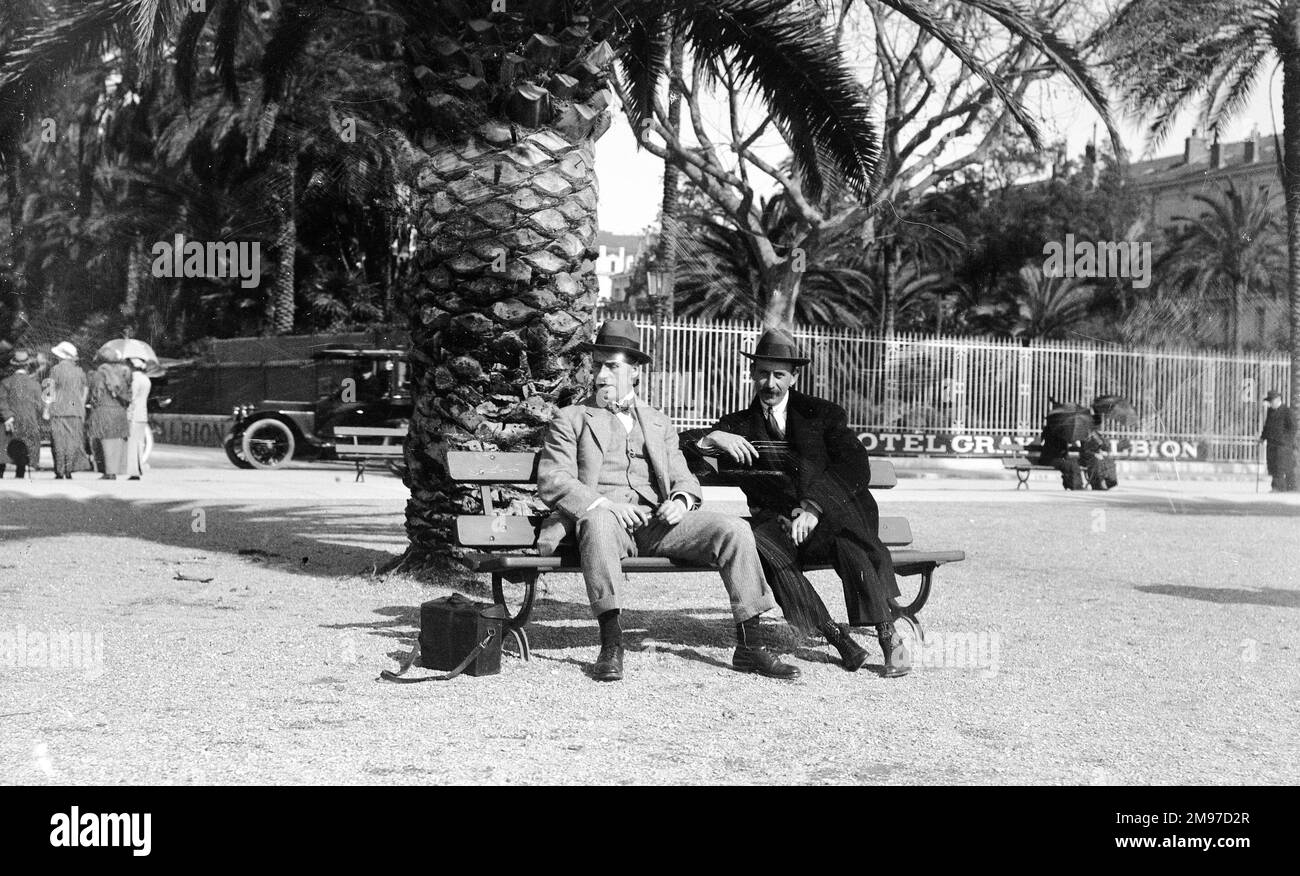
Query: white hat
x=65, y=350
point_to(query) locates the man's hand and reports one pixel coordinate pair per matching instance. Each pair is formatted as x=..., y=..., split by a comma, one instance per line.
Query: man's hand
x=733, y=445
x=671, y=512
x=802, y=524
x=631, y=516
x=9, y=424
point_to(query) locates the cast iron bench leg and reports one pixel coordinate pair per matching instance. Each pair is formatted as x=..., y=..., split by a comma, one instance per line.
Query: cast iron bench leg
x=911, y=610
x=1022, y=477
x=361, y=471
x=518, y=622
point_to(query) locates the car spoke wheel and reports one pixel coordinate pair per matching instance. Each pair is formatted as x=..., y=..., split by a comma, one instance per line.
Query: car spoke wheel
x=268, y=444
x=234, y=445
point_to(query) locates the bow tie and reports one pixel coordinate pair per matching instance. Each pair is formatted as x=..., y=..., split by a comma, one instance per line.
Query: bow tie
x=620, y=407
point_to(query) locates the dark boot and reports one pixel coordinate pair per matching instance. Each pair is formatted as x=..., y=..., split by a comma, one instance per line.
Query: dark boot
x=898, y=657
x=609, y=663
x=852, y=655
x=751, y=654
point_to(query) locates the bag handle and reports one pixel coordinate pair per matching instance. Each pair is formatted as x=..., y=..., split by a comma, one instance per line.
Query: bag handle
x=410, y=659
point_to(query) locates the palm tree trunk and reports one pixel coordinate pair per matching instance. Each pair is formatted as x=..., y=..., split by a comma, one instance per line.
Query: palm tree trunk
x=136, y=268
x=669, y=231
x=781, y=284
x=286, y=246
x=501, y=290
x=14, y=192
x=889, y=295
x=1238, y=297
x=1291, y=184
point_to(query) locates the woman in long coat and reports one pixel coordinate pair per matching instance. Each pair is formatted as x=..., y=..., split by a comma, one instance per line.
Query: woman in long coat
x=107, y=427
x=21, y=407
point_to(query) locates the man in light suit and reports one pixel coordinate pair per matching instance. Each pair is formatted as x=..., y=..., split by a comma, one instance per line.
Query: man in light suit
x=612, y=469
x=822, y=513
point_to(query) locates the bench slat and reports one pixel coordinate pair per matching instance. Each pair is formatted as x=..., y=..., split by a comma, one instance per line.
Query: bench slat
x=492, y=468
x=497, y=467
x=368, y=450
x=371, y=431
x=516, y=531
x=906, y=562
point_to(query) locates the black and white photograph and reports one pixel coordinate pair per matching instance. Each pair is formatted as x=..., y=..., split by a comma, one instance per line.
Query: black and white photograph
x=889, y=393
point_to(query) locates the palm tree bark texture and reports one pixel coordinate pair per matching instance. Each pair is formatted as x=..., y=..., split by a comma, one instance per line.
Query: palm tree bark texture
x=505, y=282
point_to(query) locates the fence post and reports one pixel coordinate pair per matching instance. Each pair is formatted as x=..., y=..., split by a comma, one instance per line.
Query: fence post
x=959, y=389
x=822, y=366
x=893, y=350
x=1088, y=377
x=1024, y=391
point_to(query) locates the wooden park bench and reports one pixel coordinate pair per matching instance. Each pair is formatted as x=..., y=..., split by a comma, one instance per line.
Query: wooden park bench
x=1024, y=462
x=387, y=449
x=495, y=533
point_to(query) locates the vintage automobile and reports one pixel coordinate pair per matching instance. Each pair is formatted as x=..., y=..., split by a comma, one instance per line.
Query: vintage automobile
x=357, y=387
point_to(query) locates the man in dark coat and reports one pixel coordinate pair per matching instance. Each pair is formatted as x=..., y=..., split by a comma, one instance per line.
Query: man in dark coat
x=822, y=512
x=1279, y=432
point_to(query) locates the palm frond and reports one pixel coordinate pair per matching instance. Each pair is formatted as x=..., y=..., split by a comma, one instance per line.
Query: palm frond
x=804, y=81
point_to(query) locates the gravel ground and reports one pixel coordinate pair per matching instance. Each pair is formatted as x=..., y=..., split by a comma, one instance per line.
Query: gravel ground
x=1146, y=636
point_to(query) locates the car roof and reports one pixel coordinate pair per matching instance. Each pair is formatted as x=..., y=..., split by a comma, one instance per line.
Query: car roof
x=358, y=353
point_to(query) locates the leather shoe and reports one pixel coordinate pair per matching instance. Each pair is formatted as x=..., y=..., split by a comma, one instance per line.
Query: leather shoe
x=898, y=657
x=609, y=665
x=852, y=655
x=755, y=658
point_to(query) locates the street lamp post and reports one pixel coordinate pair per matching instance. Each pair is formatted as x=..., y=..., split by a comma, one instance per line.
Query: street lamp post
x=656, y=283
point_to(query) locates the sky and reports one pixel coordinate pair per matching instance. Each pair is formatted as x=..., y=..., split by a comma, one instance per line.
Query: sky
x=631, y=180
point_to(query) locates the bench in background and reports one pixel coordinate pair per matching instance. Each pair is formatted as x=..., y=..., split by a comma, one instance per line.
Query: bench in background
x=360, y=453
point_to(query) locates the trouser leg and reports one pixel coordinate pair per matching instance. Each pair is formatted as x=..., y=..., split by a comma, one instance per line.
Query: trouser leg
x=865, y=568
x=803, y=608
x=603, y=543
x=728, y=542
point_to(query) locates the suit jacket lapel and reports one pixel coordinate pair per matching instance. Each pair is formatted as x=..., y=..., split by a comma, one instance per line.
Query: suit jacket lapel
x=653, y=432
x=757, y=422
x=597, y=425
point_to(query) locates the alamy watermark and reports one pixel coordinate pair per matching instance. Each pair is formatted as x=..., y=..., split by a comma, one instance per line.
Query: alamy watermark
x=959, y=650
x=1127, y=259
x=215, y=259
x=52, y=649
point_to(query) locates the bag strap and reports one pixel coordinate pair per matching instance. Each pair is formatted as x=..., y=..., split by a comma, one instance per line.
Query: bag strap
x=410, y=659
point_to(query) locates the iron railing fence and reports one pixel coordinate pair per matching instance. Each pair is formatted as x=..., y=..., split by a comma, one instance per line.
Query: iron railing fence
x=1189, y=404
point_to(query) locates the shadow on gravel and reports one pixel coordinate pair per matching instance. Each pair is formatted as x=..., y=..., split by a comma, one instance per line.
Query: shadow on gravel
x=302, y=539
x=560, y=626
x=1228, y=596
x=1175, y=503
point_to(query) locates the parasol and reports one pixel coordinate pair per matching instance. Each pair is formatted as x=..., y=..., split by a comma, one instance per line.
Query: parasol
x=121, y=349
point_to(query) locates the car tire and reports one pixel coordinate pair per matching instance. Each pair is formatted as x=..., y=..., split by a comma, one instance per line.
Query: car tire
x=234, y=445
x=267, y=444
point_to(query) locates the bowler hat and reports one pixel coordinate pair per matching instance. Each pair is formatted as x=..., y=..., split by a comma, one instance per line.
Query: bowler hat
x=1272, y=394
x=778, y=345
x=619, y=336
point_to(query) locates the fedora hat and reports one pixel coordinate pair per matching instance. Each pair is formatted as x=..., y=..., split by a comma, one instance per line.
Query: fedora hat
x=21, y=359
x=779, y=345
x=619, y=336
x=1272, y=394
x=64, y=350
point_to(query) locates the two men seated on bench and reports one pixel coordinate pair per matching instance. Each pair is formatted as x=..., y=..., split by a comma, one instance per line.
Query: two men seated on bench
x=612, y=467
x=821, y=513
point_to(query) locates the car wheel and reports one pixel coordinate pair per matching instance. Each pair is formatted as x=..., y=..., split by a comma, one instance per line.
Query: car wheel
x=234, y=445
x=268, y=444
